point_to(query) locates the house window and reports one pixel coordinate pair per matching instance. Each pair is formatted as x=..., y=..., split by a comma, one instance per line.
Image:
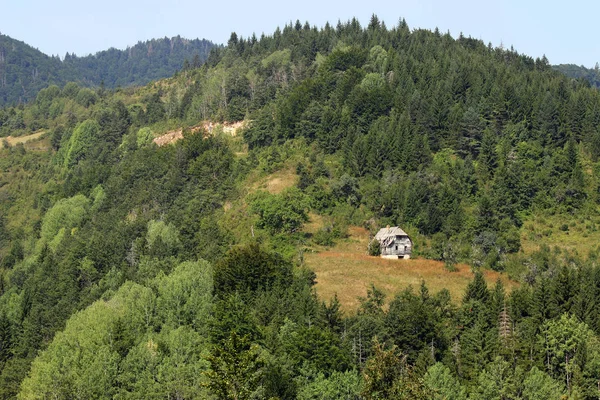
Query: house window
x=396, y=248
x=405, y=248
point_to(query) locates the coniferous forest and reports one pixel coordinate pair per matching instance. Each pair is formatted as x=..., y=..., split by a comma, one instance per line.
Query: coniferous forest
x=24, y=71
x=135, y=271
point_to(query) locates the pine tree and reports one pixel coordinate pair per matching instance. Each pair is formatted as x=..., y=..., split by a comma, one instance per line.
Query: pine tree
x=477, y=289
x=564, y=289
x=543, y=304
x=235, y=369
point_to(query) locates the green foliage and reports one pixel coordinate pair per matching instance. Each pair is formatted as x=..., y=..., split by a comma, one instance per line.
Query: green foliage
x=98, y=196
x=579, y=72
x=144, y=137
x=411, y=321
x=83, y=360
x=387, y=376
x=339, y=385
x=185, y=296
x=442, y=384
x=497, y=381
x=277, y=60
x=374, y=248
x=64, y=371
x=285, y=212
x=539, y=386
x=250, y=268
x=162, y=239
x=65, y=215
x=565, y=341
x=314, y=348
x=29, y=71
x=86, y=97
x=171, y=363
x=83, y=142
x=477, y=289
x=457, y=142
x=236, y=369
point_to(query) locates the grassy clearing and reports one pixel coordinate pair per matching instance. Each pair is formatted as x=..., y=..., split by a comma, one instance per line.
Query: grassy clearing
x=237, y=217
x=277, y=182
x=576, y=234
x=21, y=139
x=346, y=270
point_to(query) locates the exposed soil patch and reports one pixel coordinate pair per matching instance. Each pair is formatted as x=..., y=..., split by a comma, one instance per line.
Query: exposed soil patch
x=21, y=139
x=208, y=127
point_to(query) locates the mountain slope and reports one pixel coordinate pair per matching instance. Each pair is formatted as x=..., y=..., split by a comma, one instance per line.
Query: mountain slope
x=25, y=70
x=579, y=71
x=468, y=148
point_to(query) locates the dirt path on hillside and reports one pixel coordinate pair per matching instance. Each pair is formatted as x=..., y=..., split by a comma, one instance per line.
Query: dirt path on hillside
x=21, y=139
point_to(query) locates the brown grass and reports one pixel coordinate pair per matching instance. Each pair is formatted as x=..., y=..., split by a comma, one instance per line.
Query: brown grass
x=21, y=139
x=277, y=182
x=346, y=270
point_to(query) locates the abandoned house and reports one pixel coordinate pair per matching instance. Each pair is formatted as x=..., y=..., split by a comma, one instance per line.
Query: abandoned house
x=394, y=243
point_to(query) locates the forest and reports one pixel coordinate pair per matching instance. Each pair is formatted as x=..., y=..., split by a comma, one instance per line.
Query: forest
x=130, y=270
x=581, y=72
x=24, y=71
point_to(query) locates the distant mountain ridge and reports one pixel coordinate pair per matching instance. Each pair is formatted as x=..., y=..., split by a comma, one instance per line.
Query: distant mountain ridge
x=592, y=75
x=24, y=70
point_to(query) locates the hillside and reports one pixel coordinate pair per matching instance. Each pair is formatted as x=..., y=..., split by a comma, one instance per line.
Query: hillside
x=347, y=272
x=229, y=261
x=24, y=71
x=580, y=72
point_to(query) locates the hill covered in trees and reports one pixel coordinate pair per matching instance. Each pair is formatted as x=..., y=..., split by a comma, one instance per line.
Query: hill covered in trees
x=580, y=72
x=129, y=270
x=24, y=71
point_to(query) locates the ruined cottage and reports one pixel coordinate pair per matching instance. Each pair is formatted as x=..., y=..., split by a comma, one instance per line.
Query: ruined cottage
x=394, y=243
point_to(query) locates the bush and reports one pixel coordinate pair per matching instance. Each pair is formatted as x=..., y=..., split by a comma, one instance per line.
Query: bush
x=324, y=237
x=564, y=227
x=374, y=248
x=144, y=137
x=450, y=267
x=285, y=212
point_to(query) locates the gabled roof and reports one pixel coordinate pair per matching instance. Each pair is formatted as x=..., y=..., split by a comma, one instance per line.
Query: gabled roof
x=391, y=231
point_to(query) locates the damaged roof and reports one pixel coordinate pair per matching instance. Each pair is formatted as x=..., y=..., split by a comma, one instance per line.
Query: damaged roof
x=390, y=231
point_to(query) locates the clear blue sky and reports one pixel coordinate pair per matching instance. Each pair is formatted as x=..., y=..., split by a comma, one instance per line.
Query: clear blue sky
x=565, y=34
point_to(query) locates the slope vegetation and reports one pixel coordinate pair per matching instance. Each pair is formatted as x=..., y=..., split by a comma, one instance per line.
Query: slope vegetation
x=207, y=267
x=24, y=71
x=347, y=271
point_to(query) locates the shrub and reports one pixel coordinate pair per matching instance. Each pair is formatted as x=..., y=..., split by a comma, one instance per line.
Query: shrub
x=374, y=248
x=285, y=212
x=144, y=137
x=324, y=237
x=564, y=227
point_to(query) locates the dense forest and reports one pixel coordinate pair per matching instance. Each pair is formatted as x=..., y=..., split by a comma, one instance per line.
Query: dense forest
x=581, y=72
x=24, y=71
x=129, y=270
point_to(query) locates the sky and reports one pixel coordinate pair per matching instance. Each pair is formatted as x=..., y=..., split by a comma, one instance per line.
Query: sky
x=565, y=34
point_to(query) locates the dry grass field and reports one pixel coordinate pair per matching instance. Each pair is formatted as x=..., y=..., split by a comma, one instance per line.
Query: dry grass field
x=22, y=139
x=276, y=182
x=346, y=270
